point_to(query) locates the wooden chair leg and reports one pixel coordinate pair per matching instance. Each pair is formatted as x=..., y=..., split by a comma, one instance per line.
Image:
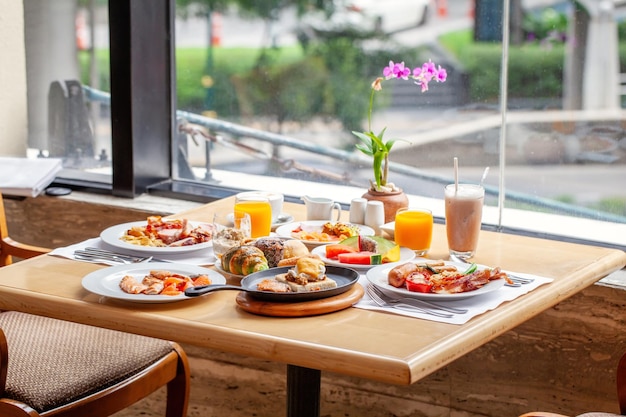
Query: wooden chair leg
x=178, y=388
x=621, y=384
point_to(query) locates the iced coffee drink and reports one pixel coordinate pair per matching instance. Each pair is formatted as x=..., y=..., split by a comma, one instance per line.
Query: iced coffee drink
x=464, y=209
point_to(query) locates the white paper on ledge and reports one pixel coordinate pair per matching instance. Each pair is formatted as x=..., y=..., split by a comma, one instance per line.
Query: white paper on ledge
x=27, y=177
x=475, y=305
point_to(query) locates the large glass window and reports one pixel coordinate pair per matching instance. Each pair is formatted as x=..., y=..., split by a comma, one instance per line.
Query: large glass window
x=269, y=97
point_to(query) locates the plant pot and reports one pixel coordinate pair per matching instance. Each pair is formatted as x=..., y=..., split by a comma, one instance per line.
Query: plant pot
x=392, y=201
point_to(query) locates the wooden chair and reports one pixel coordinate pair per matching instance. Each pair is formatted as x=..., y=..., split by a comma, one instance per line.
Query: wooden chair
x=621, y=397
x=51, y=367
x=57, y=368
x=10, y=247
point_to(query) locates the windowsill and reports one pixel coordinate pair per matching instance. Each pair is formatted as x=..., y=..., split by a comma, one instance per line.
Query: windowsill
x=531, y=223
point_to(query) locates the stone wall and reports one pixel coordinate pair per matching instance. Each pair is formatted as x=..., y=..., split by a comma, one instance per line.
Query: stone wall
x=563, y=360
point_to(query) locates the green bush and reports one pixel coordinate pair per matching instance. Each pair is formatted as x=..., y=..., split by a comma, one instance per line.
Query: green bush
x=535, y=70
x=192, y=66
x=337, y=75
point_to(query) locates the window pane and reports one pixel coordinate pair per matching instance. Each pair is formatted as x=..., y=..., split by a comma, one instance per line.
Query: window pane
x=67, y=57
x=283, y=100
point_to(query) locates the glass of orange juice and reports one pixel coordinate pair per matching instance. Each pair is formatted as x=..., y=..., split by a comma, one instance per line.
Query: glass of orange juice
x=414, y=229
x=260, y=211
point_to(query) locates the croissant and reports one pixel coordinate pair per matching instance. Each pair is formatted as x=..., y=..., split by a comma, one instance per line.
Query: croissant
x=244, y=260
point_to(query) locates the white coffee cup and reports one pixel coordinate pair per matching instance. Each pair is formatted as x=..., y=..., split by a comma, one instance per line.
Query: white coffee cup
x=321, y=208
x=276, y=201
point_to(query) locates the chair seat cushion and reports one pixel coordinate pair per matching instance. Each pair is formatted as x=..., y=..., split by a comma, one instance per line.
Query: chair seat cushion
x=54, y=362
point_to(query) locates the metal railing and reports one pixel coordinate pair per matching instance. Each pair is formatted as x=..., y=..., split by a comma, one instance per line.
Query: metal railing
x=219, y=128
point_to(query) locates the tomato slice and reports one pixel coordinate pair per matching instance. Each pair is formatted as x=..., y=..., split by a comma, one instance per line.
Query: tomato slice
x=417, y=282
x=417, y=286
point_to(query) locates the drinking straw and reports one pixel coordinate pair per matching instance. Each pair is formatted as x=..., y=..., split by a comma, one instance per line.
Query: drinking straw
x=456, y=175
x=482, y=180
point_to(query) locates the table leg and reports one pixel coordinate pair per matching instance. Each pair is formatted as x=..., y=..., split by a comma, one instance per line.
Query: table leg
x=303, y=391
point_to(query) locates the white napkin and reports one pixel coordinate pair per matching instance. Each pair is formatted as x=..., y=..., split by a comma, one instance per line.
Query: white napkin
x=202, y=257
x=475, y=305
x=27, y=177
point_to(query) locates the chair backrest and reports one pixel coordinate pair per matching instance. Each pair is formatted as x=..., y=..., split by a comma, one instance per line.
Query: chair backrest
x=10, y=247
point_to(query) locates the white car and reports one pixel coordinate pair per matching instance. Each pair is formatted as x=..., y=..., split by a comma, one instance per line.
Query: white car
x=392, y=15
x=370, y=16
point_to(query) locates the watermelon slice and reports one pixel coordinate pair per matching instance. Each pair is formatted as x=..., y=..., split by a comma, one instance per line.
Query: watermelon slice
x=389, y=250
x=334, y=250
x=360, y=258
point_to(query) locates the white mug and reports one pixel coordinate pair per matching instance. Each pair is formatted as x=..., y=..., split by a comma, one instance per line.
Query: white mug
x=320, y=208
x=276, y=201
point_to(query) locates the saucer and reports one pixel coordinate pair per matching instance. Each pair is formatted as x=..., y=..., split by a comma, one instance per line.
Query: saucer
x=283, y=218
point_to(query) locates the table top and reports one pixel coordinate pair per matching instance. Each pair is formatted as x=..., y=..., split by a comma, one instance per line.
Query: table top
x=368, y=344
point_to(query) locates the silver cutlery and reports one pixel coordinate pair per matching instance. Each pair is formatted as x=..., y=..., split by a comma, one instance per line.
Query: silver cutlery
x=403, y=306
x=518, y=279
x=106, y=252
x=95, y=255
x=415, y=302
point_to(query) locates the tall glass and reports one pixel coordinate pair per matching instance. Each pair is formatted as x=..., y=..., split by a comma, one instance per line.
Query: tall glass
x=231, y=230
x=464, y=210
x=414, y=229
x=260, y=211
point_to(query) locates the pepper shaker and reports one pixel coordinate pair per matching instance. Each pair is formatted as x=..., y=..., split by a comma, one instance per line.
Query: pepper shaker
x=375, y=216
x=357, y=210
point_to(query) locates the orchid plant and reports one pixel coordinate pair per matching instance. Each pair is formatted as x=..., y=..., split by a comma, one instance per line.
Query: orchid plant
x=372, y=144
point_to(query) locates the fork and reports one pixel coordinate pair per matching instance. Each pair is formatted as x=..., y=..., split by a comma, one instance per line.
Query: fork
x=515, y=278
x=401, y=305
x=105, y=256
x=415, y=302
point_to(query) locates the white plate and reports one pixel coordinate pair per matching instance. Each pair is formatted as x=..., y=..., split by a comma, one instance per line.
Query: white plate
x=113, y=234
x=389, y=228
x=378, y=277
x=106, y=281
x=218, y=266
x=316, y=226
x=406, y=255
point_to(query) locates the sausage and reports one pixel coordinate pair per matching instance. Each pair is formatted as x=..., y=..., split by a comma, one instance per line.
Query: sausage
x=397, y=275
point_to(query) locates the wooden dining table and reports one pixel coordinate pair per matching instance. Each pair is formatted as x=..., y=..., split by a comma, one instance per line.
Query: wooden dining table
x=378, y=346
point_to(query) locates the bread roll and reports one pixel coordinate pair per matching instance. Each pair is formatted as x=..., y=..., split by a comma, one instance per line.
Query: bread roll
x=294, y=248
x=244, y=260
x=273, y=249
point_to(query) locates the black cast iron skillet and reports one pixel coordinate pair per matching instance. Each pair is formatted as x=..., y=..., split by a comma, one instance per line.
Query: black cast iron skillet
x=344, y=277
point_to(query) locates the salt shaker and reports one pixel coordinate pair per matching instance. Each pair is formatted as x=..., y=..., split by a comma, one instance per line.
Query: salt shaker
x=375, y=216
x=357, y=210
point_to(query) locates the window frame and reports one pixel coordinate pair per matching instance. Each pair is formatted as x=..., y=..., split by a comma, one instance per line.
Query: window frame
x=141, y=36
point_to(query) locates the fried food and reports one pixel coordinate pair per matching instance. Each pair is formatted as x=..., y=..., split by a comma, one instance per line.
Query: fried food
x=324, y=284
x=309, y=274
x=273, y=285
x=159, y=282
x=440, y=278
x=159, y=232
x=330, y=232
